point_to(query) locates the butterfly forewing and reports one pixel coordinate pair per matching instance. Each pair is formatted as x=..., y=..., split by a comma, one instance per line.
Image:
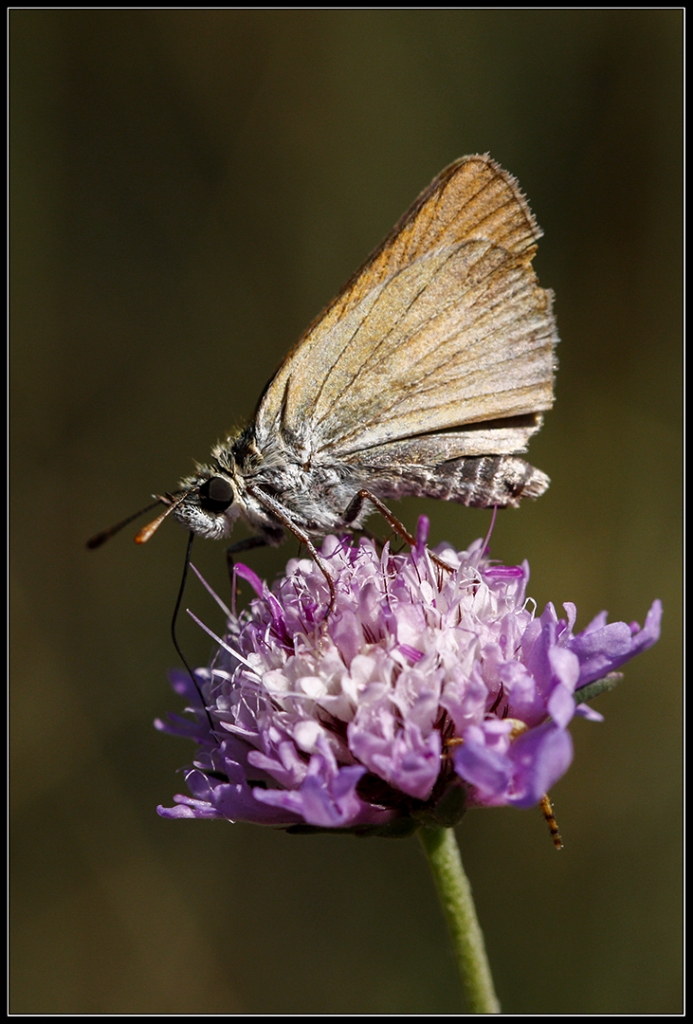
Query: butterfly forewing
x=458, y=341
x=444, y=326
x=425, y=376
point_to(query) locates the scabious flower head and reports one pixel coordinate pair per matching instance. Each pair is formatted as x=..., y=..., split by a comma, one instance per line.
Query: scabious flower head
x=419, y=694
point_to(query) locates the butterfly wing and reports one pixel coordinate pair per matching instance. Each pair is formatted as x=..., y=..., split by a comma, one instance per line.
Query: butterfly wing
x=444, y=326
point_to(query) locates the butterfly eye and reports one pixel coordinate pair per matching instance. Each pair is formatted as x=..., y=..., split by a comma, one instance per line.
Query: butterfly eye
x=216, y=494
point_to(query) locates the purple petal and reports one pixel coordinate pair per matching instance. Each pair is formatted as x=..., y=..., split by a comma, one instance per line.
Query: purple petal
x=540, y=757
x=250, y=577
x=602, y=648
x=517, y=772
x=485, y=767
x=327, y=796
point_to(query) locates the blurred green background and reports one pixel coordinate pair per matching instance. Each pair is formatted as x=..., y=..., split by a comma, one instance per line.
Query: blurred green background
x=188, y=189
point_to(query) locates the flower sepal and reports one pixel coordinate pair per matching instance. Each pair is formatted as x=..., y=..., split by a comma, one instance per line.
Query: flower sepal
x=447, y=811
x=599, y=686
x=399, y=828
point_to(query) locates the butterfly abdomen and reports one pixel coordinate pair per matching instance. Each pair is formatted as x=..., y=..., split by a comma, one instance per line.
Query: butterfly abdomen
x=477, y=481
x=489, y=480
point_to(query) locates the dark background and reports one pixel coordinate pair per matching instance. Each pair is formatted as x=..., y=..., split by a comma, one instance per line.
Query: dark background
x=188, y=189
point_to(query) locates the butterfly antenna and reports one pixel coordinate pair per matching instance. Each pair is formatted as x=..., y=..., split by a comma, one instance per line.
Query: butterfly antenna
x=100, y=538
x=174, y=620
x=150, y=529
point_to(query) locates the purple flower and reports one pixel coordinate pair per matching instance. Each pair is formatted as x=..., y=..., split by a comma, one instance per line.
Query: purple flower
x=421, y=693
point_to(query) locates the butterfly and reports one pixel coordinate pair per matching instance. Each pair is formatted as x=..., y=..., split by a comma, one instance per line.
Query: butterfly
x=426, y=375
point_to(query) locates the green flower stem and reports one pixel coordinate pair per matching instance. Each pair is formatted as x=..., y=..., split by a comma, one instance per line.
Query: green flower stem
x=455, y=895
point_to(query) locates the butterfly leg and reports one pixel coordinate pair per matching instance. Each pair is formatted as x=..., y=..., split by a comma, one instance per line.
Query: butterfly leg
x=283, y=515
x=354, y=510
x=355, y=507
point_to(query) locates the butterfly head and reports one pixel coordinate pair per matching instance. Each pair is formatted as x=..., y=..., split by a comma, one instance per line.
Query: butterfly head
x=209, y=505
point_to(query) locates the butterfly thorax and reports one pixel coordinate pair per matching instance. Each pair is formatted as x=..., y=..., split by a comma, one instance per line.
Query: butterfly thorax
x=263, y=479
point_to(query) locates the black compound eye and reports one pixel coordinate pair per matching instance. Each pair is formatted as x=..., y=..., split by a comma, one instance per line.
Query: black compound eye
x=216, y=494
